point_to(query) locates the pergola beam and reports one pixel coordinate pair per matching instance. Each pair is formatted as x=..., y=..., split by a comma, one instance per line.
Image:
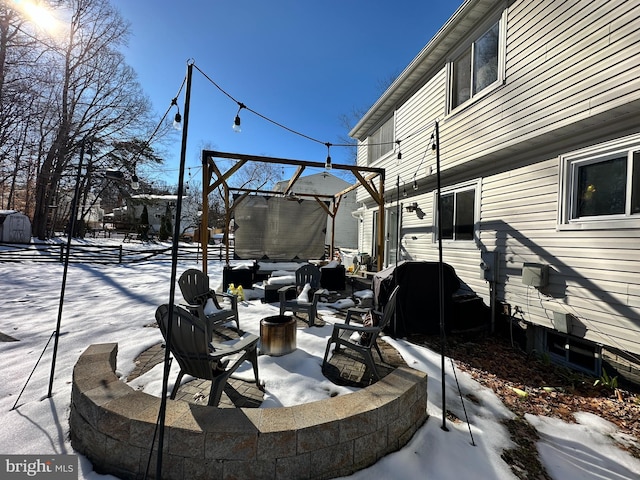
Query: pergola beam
x=210, y=168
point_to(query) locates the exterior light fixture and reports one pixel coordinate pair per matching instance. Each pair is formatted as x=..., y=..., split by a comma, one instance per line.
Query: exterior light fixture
x=412, y=207
x=135, y=184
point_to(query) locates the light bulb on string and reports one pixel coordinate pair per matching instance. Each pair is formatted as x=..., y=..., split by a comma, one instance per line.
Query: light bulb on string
x=327, y=164
x=415, y=183
x=236, y=122
x=399, y=152
x=177, y=119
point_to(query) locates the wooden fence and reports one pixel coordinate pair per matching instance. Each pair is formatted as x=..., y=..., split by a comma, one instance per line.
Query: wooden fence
x=42, y=252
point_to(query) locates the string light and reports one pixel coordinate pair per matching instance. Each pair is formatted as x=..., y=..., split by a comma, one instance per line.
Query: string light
x=177, y=119
x=327, y=164
x=135, y=183
x=236, y=121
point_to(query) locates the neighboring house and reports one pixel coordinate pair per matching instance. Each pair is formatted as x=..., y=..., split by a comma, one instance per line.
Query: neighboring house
x=538, y=110
x=156, y=208
x=90, y=211
x=346, y=231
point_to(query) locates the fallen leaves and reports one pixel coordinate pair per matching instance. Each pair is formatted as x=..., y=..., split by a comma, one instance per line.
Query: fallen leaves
x=528, y=385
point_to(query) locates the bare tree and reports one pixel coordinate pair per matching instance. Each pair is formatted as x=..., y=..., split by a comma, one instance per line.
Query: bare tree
x=19, y=89
x=84, y=94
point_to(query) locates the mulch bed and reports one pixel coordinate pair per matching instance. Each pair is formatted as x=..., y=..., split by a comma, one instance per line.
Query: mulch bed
x=528, y=384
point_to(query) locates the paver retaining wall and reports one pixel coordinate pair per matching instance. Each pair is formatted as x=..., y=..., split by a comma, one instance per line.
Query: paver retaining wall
x=113, y=426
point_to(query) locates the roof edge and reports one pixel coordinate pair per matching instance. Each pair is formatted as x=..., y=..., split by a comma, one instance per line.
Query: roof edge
x=403, y=79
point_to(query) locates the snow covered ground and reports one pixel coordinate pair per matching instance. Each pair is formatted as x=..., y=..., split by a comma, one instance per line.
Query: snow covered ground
x=115, y=303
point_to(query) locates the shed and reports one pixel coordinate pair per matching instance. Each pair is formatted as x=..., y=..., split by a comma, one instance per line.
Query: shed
x=14, y=227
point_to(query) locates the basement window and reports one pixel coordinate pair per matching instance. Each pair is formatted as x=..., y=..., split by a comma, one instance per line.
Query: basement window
x=574, y=353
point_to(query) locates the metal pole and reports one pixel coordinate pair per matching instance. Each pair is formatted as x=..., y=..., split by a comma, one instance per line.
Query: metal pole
x=72, y=227
x=204, y=218
x=174, y=262
x=441, y=281
x=398, y=211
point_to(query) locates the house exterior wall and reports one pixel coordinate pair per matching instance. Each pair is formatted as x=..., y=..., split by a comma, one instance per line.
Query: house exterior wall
x=571, y=82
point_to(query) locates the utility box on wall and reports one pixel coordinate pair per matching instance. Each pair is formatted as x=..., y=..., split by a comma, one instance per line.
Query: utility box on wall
x=563, y=322
x=535, y=274
x=488, y=266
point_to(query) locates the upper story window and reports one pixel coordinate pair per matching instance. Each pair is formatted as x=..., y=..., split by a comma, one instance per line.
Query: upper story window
x=601, y=187
x=478, y=66
x=380, y=142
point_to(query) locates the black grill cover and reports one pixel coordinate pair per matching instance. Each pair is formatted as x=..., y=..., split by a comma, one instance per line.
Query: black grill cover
x=418, y=298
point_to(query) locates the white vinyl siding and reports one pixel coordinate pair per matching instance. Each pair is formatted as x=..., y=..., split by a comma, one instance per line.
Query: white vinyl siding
x=571, y=82
x=567, y=68
x=593, y=274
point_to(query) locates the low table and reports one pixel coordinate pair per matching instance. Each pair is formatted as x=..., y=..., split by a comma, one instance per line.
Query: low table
x=278, y=335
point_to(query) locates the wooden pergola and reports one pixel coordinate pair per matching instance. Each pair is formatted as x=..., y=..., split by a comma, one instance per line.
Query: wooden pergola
x=213, y=177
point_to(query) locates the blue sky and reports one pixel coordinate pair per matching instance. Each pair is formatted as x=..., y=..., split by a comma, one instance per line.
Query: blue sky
x=300, y=63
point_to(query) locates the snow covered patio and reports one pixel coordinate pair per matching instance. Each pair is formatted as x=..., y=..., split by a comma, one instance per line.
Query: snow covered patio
x=112, y=421
x=116, y=304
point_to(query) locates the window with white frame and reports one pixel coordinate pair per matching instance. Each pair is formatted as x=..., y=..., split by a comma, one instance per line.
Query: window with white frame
x=380, y=142
x=458, y=211
x=478, y=66
x=602, y=187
